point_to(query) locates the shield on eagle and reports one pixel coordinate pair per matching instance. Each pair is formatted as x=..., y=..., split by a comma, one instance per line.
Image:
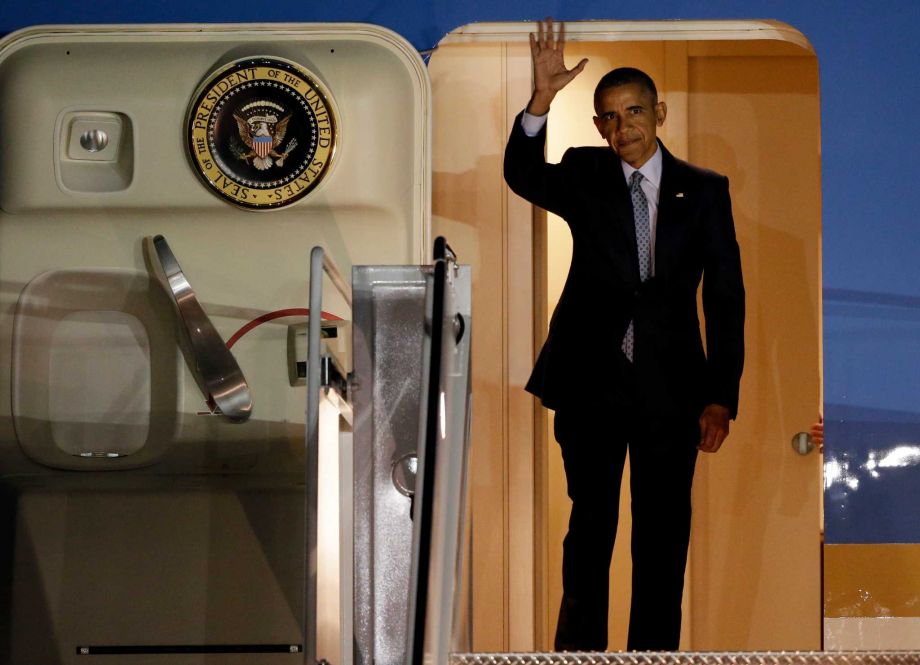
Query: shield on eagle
x=262, y=145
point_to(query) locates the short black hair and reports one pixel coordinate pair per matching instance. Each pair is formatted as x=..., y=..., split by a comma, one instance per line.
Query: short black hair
x=624, y=76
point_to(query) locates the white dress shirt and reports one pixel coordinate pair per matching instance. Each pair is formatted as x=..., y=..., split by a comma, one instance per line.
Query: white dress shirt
x=651, y=176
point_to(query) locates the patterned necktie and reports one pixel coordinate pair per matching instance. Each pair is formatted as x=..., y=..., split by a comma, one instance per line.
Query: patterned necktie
x=643, y=243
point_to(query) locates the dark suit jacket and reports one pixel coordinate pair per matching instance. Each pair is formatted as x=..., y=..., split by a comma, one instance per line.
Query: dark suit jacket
x=695, y=239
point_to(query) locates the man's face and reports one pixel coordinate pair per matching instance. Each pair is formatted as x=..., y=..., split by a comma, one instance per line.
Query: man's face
x=628, y=117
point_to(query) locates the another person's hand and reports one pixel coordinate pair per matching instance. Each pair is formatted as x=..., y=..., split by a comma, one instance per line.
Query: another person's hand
x=549, y=72
x=713, y=428
x=817, y=433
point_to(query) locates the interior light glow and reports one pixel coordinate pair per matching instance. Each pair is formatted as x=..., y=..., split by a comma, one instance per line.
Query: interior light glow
x=836, y=472
x=900, y=456
x=872, y=464
x=832, y=472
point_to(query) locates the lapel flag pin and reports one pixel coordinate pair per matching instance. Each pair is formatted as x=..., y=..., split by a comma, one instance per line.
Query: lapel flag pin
x=679, y=195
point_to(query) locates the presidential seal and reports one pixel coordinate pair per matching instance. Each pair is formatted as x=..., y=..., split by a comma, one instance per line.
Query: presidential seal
x=261, y=132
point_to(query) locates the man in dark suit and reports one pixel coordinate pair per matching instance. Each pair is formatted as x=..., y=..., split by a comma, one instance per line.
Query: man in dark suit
x=623, y=364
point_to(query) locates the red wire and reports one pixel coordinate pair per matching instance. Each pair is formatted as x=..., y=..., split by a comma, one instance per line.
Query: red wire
x=277, y=314
x=270, y=316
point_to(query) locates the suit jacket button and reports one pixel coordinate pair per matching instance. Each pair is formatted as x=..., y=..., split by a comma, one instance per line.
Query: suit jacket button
x=636, y=293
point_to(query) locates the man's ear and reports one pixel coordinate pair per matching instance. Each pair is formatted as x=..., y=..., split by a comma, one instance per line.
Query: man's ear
x=661, y=112
x=600, y=126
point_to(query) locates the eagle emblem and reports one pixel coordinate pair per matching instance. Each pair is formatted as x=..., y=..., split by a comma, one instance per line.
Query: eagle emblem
x=261, y=132
x=262, y=126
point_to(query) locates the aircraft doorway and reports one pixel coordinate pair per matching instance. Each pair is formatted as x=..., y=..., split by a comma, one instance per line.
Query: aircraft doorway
x=738, y=104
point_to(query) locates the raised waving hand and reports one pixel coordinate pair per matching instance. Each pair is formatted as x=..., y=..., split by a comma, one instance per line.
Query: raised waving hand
x=550, y=74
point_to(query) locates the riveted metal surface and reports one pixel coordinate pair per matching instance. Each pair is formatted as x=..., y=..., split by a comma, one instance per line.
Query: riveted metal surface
x=691, y=658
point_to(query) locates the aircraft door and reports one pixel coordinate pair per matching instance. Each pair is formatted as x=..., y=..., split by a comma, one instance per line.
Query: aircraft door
x=481, y=81
x=142, y=513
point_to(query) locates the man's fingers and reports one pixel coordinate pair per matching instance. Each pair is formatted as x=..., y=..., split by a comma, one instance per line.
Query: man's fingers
x=576, y=70
x=711, y=436
x=560, y=40
x=550, y=39
x=704, y=430
x=714, y=423
x=708, y=440
x=533, y=45
x=715, y=441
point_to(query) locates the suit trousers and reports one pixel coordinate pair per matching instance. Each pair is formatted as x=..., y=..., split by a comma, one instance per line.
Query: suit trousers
x=595, y=439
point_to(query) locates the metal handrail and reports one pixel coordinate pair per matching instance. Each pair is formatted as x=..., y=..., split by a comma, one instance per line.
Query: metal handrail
x=335, y=276
x=311, y=460
x=319, y=263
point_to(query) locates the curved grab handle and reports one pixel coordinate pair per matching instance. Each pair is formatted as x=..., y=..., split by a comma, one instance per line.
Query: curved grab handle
x=221, y=376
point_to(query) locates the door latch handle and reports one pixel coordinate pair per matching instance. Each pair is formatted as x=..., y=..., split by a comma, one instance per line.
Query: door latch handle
x=802, y=443
x=217, y=371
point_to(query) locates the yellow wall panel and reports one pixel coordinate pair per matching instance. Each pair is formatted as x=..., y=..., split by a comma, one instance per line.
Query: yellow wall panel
x=872, y=580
